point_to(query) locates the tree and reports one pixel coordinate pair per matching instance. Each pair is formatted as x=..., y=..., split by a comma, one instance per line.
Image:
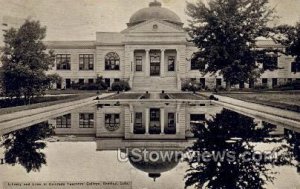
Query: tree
x=25, y=61
x=23, y=146
x=225, y=32
x=289, y=36
x=231, y=135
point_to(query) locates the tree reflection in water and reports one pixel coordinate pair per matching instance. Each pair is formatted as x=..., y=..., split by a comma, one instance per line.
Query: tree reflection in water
x=24, y=146
x=232, y=132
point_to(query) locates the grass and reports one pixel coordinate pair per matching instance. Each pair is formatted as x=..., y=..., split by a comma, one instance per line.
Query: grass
x=187, y=96
x=48, y=101
x=71, y=91
x=283, y=100
x=125, y=96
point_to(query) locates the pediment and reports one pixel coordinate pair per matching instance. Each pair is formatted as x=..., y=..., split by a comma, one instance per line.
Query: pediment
x=154, y=26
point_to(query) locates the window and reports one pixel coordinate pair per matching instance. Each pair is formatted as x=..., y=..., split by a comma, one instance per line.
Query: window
x=274, y=82
x=264, y=81
x=91, y=81
x=86, y=62
x=112, y=61
x=63, y=121
x=107, y=82
x=112, y=121
x=154, y=114
x=116, y=80
x=138, y=63
x=171, y=119
x=295, y=67
x=197, y=65
x=138, y=119
x=63, y=62
x=218, y=82
x=171, y=63
x=86, y=120
x=81, y=81
x=202, y=82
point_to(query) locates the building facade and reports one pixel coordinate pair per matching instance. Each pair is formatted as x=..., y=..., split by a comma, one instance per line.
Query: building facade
x=152, y=54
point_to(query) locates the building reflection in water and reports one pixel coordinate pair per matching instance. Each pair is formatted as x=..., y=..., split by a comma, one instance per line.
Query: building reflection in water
x=160, y=127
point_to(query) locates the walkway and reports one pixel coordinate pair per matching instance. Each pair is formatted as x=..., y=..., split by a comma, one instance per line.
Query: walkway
x=284, y=118
x=22, y=119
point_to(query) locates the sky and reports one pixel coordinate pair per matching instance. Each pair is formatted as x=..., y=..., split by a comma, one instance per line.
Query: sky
x=81, y=19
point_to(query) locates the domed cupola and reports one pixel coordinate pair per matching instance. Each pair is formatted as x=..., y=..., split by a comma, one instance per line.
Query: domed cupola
x=155, y=11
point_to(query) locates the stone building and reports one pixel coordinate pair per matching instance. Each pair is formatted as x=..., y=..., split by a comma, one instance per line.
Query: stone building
x=152, y=53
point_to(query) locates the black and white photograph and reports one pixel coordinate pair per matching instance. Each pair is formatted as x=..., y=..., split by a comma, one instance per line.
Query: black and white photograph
x=149, y=94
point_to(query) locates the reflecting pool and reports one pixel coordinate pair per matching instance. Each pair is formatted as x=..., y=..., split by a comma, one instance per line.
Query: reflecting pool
x=154, y=144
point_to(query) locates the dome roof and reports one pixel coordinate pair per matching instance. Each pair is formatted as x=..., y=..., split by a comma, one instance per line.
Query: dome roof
x=154, y=11
x=155, y=168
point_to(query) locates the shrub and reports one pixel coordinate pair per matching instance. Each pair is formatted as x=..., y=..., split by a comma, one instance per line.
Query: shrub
x=120, y=86
x=88, y=86
x=294, y=85
x=191, y=86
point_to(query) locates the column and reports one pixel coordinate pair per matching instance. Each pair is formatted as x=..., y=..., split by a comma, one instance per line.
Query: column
x=132, y=62
x=177, y=59
x=132, y=118
x=162, y=63
x=177, y=118
x=162, y=120
x=147, y=63
x=147, y=117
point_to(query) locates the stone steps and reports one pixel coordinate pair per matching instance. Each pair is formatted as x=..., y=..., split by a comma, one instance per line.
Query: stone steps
x=154, y=83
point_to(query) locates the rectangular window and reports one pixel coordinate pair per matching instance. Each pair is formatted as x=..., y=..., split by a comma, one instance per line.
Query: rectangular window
x=86, y=62
x=274, y=82
x=116, y=80
x=218, y=82
x=154, y=114
x=81, y=81
x=107, y=82
x=171, y=119
x=112, y=120
x=202, y=82
x=295, y=67
x=138, y=63
x=86, y=120
x=264, y=81
x=63, y=121
x=91, y=81
x=63, y=61
x=138, y=119
x=171, y=63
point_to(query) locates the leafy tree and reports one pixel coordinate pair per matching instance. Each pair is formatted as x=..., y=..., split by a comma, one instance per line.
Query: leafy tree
x=226, y=133
x=24, y=146
x=225, y=32
x=289, y=36
x=25, y=60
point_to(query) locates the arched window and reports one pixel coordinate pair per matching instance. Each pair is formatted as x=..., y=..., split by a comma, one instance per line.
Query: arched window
x=112, y=61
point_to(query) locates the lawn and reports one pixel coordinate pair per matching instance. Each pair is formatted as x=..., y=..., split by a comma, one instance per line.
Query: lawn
x=46, y=101
x=125, y=96
x=187, y=96
x=283, y=100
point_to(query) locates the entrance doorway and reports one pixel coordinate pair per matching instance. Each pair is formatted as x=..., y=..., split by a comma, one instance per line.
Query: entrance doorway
x=155, y=65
